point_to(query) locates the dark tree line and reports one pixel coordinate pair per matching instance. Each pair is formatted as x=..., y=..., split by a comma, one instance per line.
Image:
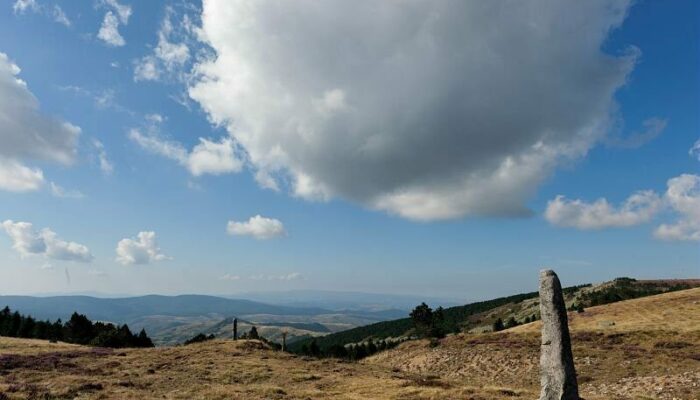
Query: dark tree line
x=78, y=329
x=352, y=352
x=199, y=338
x=626, y=289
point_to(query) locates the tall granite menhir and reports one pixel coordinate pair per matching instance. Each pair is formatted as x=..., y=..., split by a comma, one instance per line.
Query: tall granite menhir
x=557, y=373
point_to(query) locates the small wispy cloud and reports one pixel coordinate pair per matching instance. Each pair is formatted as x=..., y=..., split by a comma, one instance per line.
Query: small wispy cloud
x=171, y=54
x=56, y=12
x=207, y=157
x=60, y=16
x=294, y=276
x=695, y=150
x=229, y=277
x=58, y=191
x=651, y=128
x=102, y=99
x=117, y=14
x=97, y=272
x=106, y=165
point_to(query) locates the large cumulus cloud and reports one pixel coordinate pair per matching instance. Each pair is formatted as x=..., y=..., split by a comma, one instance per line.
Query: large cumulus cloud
x=27, y=134
x=429, y=110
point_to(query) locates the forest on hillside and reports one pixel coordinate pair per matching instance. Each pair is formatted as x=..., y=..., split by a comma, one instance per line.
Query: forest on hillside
x=78, y=330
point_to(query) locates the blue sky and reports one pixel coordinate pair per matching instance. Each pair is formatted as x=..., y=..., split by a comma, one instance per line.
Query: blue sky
x=379, y=155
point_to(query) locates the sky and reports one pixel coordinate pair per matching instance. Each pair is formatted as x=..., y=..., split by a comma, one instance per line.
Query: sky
x=447, y=149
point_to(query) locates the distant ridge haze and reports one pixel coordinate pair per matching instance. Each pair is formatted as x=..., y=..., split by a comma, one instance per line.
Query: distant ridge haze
x=125, y=309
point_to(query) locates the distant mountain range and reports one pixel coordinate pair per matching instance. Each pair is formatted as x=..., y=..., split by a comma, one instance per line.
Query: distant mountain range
x=174, y=319
x=339, y=301
x=125, y=309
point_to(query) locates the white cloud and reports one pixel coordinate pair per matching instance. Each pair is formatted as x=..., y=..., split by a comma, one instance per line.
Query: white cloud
x=207, y=157
x=215, y=158
x=423, y=109
x=637, y=209
x=229, y=277
x=294, y=276
x=695, y=150
x=105, y=99
x=170, y=54
x=258, y=227
x=56, y=13
x=26, y=134
x=159, y=145
x=58, y=191
x=683, y=197
x=117, y=14
x=60, y=16
x=106, y=165
x=146, y=69
x=21, y=6
x=15, y=177
x=27, y=241
x=109, y=31
x=122, y=10
x=142, y=249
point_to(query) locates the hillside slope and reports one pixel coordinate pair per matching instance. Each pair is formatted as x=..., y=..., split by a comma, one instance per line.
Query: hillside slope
x=479, y=317
x=642, y=348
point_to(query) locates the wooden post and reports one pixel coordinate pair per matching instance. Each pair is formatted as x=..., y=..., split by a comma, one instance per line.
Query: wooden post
x=284, y=340
x=235, y=329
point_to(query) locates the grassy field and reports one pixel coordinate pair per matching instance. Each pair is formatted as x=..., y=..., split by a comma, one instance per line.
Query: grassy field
x=647, y=348
x=639, y=349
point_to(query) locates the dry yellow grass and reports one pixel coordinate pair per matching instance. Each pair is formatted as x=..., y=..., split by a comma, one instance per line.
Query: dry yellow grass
x=674, y=311
x=646, y=348
x=211, y=370
x=650, y=352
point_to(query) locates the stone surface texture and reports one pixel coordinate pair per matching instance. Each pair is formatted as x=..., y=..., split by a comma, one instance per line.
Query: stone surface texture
x=557, y=372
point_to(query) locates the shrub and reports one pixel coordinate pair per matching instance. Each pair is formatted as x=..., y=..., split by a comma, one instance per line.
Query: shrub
x=199, y=338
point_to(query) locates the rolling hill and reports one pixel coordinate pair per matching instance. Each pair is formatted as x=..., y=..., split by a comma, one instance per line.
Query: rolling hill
x=480, y=316
x=129, y=308
x=636, y=349
x=174, y=319
x=644, y=348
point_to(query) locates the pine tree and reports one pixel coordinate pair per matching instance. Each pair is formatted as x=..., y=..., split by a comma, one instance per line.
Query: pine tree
x=314, y=350
x=253, y=334
x=498, y=325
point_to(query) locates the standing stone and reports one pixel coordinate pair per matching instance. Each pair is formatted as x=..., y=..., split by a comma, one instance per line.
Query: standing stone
x=284, y=340
x=235, y=329
x=557, y=373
